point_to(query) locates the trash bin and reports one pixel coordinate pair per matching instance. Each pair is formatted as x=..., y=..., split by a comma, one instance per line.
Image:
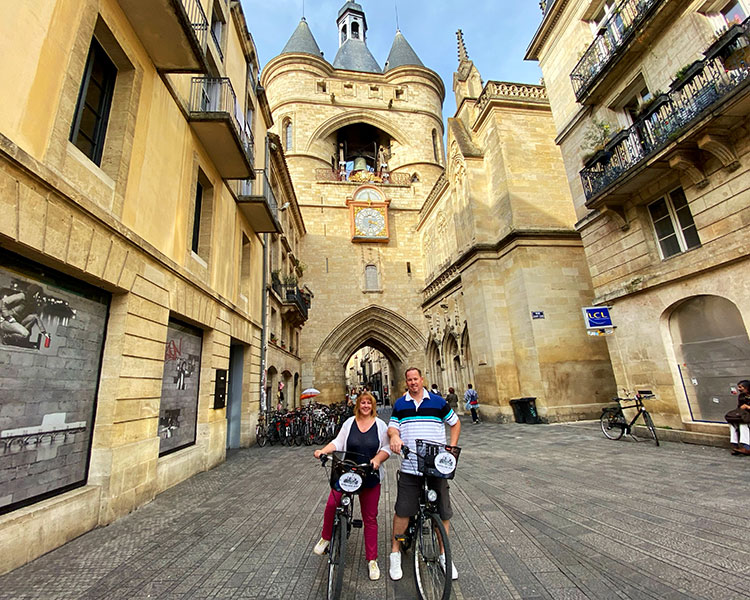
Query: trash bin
x=524, y=410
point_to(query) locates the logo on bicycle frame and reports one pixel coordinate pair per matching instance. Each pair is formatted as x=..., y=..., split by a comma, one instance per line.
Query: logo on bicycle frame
x=445, y=463
x=350, y=482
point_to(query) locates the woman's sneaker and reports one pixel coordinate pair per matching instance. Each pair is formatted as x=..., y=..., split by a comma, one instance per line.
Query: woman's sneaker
x=374, y=570
x=454, y=573
x=321, y=547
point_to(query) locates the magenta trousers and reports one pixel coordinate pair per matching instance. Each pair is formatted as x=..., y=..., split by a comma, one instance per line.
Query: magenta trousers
x=368, y=503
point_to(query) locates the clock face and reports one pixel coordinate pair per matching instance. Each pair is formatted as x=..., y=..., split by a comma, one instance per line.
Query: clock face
x=369, y=222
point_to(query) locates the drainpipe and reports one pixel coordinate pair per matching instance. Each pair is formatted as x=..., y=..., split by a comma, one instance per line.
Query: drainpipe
x=264, y=328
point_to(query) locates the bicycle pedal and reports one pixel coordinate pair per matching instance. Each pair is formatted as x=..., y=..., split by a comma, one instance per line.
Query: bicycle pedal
x=357, y=523
x=400, y=538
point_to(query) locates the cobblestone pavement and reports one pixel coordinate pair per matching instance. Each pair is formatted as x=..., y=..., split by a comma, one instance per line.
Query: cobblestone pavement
x=542, y=511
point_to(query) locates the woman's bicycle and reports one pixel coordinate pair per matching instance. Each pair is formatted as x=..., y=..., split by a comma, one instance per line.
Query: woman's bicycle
x=426, y=532
x=614, y=424
x=347, y=477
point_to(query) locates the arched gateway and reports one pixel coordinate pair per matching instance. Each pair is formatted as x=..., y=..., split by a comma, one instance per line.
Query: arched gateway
x=399, y=340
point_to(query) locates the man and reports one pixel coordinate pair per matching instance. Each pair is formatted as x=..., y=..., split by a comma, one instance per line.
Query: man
x=418, y=414
x=472, y=403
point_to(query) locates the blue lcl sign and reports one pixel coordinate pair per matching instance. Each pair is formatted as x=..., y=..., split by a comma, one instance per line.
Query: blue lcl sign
x=597, y=317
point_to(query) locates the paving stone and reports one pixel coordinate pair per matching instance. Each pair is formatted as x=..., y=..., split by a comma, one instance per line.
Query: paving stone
x=541, y=512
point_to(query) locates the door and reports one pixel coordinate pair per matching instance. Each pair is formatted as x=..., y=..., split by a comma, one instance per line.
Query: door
x=234, y=398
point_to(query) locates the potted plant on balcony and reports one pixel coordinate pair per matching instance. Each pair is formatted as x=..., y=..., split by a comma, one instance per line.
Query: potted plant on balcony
x=272, y=338
x=648, y=108
x=725, y=39
x=594, y=142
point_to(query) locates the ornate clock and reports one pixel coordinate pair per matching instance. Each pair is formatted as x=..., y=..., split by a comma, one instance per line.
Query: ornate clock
x=369, y=215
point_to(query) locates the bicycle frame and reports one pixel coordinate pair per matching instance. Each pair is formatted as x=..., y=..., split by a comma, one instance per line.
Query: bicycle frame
x=614, y=423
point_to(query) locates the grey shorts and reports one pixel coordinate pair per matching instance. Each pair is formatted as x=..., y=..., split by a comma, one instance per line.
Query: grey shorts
x=407, y=498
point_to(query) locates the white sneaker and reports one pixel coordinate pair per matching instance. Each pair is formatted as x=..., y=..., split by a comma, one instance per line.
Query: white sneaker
x=395, y=569
x=321, y=547
x=454, y=573
x=374, y=570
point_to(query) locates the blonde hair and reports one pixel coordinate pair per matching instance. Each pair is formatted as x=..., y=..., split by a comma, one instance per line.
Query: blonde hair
x=359, y=400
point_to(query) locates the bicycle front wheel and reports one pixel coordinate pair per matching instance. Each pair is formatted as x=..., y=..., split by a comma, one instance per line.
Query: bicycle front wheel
x=612, y=422
x=650, y=424
x=432, y=581
x=336, y=555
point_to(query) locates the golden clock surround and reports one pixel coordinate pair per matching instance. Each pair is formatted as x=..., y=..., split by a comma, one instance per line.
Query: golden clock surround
x=362, y=199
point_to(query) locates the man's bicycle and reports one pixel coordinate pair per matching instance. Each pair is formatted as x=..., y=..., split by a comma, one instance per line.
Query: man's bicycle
x=347, y=477
x=426, y=532
x=614, y=424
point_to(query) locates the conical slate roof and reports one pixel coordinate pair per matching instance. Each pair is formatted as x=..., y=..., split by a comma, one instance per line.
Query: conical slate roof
x=354, y=55
x=401, y=54
x=302, y=40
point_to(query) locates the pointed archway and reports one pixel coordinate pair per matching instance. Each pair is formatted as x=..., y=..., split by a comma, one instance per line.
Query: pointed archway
x=400, y=341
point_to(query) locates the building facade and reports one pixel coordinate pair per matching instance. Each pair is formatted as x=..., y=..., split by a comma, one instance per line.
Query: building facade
x=650, y=103
x=131, y=256
x=437, y=264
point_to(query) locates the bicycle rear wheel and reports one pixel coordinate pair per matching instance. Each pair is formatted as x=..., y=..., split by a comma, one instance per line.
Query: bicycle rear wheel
x=336, y=556
x=613, y=423
x=260, y=436
x=432, y=582
x=650, y=424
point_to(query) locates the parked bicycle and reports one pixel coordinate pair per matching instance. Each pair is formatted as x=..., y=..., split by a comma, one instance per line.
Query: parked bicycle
x=347, y=477
x=426, y=532
x=614, y=424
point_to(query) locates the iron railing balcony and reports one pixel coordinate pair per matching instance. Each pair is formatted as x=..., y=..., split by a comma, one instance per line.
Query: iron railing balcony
x=298, y=300
x=611, y=41
x=669, y=117
x=256, y=200
x=217, y=120
x=173, y=32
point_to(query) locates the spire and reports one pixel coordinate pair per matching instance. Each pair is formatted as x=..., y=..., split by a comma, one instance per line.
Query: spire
x=401, y=54
x=302, y=41
x=463, y=55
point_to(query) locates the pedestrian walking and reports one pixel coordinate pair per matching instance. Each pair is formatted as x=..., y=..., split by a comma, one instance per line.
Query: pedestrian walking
x=471, y=399
x=418, y=414
x=435, y=389
x=364, y=435
x=452, y=399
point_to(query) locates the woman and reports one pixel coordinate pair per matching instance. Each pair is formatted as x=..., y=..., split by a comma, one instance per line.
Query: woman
x=365, y=435
x=739, y=433
x=452, y=399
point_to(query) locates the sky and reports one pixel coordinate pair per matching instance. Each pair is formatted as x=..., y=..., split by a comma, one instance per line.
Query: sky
x=496, y=33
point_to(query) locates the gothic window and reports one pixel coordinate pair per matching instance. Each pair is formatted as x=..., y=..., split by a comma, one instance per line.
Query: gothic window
x=435, y=146
x=288, y=134
x=371, y=278
x=673, y=224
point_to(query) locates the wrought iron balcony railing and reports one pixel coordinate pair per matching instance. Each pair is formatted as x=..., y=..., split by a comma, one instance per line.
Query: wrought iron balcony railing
x=215, y=95
x=198, y=20
x=614, y=33
x=260, y=186
x=293, y=295
x=669, y=116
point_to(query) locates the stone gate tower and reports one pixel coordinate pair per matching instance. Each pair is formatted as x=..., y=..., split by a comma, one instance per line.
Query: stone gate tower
x=363, y=145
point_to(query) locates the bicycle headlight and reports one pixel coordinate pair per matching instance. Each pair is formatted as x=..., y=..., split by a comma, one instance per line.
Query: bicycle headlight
x=431, y=495
x=346, y=501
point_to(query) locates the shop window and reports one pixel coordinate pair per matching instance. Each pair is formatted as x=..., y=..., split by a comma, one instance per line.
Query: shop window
x=673, y=224
x=89, y=127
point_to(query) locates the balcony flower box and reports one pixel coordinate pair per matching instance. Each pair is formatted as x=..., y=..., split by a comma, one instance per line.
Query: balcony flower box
x=684, y=75
x=726, y=39
x=653, y=105
x=601, y=156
